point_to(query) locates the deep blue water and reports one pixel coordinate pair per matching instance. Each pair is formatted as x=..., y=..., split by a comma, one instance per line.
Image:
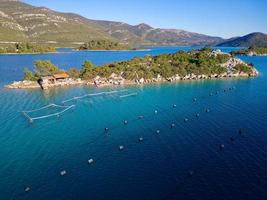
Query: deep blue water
x=157, y=168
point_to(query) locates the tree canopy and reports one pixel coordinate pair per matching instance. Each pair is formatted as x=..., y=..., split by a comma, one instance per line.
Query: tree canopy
x=103, y=45
x=26, y=48
x=198, y=62
x=44, y=68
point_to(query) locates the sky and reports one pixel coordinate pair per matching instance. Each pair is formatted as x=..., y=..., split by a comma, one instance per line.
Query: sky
x=224, y=18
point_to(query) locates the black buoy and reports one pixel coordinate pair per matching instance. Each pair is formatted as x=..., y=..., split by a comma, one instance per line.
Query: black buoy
x=240, y=132
x=207, y=110
x=195, y=99
x=27, y=189
x=190, y=173
x=172, y=125
x=106, y=129
x=125, y=122
x=224, y=90
x=211, y=94
x=222, y=146
x=197, y=115
x=141, y=117
x=217, y=92
x=232, y=139
x=141, y=139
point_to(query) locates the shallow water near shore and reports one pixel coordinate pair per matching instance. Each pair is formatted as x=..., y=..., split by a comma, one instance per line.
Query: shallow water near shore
x=156, y=168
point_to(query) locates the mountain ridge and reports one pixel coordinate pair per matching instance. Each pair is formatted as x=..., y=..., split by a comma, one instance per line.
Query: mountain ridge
x=253, y=39
x=20, y=21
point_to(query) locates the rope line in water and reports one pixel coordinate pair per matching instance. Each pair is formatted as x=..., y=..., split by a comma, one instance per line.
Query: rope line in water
x=128, y=95
x=154, y=114
x=130, y=145
x=31, y=119
x=189, y=174
x=94, y=94
x=66, y=108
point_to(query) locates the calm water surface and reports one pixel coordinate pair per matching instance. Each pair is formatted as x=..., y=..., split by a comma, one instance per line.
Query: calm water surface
x=157, y=168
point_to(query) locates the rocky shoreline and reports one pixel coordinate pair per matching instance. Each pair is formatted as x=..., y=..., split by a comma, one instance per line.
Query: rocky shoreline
x=106, y=82
x=118, y=79
x=255, y=54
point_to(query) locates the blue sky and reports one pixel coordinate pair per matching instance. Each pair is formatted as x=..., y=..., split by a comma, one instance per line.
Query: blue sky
x=225, y=18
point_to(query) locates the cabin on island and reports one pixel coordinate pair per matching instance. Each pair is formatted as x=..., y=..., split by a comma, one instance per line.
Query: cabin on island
x=52, y=79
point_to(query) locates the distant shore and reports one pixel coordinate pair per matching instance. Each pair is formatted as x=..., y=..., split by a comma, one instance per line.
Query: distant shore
x=36, y=53
x=112, y=50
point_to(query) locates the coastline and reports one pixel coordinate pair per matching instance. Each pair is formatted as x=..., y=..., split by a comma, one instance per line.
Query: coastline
x=29, y=53
x=98, y=50
x=108, y=83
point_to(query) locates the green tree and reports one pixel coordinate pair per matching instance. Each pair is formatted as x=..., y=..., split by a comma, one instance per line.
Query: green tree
x=28, y=75
x=87, y=71
x=44, y=68
x=74, y=73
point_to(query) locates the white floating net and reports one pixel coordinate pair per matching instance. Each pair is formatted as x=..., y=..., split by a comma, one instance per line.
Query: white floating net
x=50, y=110
x=128, y=95
x=93, y=95
x=53, y=110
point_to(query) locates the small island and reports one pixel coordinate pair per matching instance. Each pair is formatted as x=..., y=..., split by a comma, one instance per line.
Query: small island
x=26, y=48
x=193, y=65
x=104, y=45
x=251, y=51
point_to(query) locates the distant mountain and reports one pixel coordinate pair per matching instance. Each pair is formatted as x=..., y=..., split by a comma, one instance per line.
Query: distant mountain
x=256, y=39
x=22, y=22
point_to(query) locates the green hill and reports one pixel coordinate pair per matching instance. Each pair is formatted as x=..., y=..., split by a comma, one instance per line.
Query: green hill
x=253, y=39
x=21, y=22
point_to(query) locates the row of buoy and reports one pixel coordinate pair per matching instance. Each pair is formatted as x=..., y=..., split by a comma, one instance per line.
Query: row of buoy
x=141, y=139
x=125, y=122
x=190, y=173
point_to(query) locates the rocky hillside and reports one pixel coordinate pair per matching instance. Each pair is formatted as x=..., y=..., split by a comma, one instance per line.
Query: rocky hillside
x=252, y=39
x=22, y=22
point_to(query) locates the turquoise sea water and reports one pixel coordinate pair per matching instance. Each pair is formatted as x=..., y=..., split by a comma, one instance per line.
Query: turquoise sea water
x=157, y=168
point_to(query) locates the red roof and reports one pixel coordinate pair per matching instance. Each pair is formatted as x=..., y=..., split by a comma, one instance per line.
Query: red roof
x=61, y=75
